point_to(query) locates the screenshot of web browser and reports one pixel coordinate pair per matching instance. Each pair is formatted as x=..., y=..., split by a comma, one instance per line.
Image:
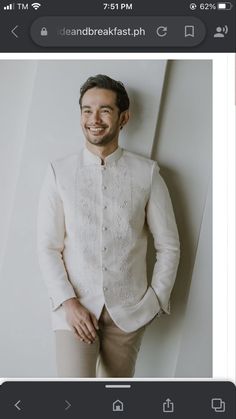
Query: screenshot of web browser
x=117, y=214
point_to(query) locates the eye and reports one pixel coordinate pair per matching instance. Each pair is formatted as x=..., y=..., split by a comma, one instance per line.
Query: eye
x=86, y=111
x=106, y=111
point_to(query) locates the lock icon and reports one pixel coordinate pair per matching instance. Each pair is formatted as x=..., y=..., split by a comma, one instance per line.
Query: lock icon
x=44, y=32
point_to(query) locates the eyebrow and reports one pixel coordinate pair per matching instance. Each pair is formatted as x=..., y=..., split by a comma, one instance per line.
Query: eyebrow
x=101, y=107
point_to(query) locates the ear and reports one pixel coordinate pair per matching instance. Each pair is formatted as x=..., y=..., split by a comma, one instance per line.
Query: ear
x=124, y=117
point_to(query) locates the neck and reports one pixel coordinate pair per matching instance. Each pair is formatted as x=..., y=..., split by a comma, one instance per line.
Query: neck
x=102, y=151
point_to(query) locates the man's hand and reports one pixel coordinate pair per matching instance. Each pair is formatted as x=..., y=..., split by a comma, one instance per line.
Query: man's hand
x=81, y=320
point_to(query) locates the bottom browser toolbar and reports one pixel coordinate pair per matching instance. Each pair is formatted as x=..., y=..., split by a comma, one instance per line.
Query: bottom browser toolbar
x=135, y=399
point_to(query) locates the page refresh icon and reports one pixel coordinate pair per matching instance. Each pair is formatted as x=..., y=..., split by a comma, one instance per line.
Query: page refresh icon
x=162, y=31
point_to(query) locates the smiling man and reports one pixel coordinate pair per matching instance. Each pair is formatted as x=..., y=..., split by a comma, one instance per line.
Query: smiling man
x=94, y=212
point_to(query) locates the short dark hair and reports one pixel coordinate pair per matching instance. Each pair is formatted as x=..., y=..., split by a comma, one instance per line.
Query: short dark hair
x=102, y=81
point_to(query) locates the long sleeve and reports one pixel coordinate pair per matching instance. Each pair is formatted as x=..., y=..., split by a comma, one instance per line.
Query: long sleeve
x=50, y=241
x=161, y=222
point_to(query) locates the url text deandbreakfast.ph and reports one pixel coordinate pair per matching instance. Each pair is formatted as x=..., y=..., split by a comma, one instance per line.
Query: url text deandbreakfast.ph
x=88, y=31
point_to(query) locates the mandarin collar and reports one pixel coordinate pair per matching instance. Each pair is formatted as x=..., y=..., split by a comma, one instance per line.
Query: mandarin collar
x=91, y=158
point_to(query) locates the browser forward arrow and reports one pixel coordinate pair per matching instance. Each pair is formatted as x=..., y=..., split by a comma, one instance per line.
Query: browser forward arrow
x=68, y=405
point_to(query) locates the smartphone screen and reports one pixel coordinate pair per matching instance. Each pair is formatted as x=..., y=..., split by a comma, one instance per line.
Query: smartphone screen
x=117, y=215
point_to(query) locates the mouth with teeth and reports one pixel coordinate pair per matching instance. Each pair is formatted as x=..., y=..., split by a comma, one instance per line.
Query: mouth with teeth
x=96, y=130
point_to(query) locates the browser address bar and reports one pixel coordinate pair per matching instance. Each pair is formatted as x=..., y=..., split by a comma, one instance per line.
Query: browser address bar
x=91, y=31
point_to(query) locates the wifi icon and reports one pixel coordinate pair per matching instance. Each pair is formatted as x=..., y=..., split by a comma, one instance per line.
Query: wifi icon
x=36, y=6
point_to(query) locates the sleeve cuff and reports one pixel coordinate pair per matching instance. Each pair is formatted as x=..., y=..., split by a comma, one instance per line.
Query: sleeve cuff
x=61, y=296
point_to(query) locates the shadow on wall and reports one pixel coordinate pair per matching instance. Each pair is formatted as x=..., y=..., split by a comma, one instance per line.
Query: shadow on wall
x=186, y=170
x=188, y=247
x=132, y=129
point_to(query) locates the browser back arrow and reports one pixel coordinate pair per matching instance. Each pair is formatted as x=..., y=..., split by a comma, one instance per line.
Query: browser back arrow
x=16, y=405
x=13, y=31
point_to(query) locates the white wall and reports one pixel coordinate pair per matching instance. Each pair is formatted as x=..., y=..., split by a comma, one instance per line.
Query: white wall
x=40, y=121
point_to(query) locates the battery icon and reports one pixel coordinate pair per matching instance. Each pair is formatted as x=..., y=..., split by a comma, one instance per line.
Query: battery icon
x=224, y=6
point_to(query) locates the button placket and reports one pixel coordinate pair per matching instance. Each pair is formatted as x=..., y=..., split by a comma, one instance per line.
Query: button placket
x=105, y=229
x=104, y=188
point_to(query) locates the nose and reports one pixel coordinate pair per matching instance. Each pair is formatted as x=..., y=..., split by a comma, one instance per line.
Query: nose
x=95, y=117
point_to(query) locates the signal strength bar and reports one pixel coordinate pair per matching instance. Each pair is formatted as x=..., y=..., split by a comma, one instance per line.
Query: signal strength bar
x=10, y=6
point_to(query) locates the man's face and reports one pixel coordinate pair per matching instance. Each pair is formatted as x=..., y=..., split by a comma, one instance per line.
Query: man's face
x=100, y=118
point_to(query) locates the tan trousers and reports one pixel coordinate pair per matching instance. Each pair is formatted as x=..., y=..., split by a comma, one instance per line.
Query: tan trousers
x=113, y=354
